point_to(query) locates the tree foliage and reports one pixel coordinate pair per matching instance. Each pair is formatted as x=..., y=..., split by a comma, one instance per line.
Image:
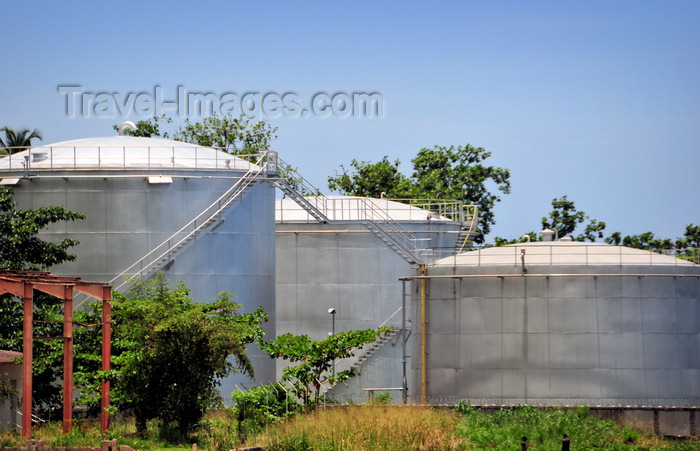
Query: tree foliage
x=231, y=134
x=17, y=140
x=372, y=180
x=21, y=248
x=170, y=352
x=262, y=405
x=450, y=173
x=234, y=135
x=565, y=219
x=314, y=359
x=146, y=129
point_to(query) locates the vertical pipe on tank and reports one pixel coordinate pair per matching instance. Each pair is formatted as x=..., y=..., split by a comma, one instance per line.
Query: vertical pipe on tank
x=422, y=336
x=404, y=382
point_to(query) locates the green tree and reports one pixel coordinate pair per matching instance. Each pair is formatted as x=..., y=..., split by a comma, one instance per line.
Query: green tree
x=498, y=241
x=565, y=219
x=372, y=180
x=234, y=135
x=450, y=173
x=231, y=134
x=148, y=128
x=17, y=140
x=690, y=239
x=171, y=352
x=645, y=241
x=262, y=405
x=21, y=248
x=314, y=359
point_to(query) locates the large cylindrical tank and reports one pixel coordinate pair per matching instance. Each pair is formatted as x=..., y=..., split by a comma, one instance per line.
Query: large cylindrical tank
x=136, y=193
x=557, y=323
x=342, y=264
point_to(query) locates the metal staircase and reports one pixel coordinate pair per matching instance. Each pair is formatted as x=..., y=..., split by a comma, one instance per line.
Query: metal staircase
x=377, y=220
x=373, y=347
x=395, y=236
x=166, y=251
x=361, y=355
x=467, y=229
x=302, y=192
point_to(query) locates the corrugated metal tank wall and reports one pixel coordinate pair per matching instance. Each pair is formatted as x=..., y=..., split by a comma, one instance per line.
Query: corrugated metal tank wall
x=343, y=265
x=545, y=337
x=126, y=217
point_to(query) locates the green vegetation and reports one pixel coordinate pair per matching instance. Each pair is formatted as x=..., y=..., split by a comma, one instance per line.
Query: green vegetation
x=21, y=248
x=378, y=426
x=503, y=429
x=565, y=220
x=17, y=140
x=170, y=353
x=231, y=134
x=315, y=359
x=450, y=173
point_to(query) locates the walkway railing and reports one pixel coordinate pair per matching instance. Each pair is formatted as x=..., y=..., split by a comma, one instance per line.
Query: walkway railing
x=60, y=158
x=574, y=254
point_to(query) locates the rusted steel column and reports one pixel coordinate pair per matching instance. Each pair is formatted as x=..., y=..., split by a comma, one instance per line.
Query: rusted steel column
x=27, y=342
x=68, y=359
x=106, y=355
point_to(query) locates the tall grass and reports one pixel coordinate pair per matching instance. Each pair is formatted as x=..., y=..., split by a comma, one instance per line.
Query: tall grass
x=374, y=427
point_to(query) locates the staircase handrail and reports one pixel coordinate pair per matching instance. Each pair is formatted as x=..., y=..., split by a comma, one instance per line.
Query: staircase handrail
x=390, y=317
x=310, y=198
x=218, y=205
x=301, y=190
x=473, y=222
x=391, y=228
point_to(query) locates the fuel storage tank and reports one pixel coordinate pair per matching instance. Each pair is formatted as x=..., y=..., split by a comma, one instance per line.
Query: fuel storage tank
x=345, y=263
x=557, y=323
x=198, y=214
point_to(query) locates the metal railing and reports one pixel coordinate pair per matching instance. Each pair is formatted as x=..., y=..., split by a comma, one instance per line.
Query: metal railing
x=350, y=208
x=61, y=158
x=576, y=254
x=377, y=220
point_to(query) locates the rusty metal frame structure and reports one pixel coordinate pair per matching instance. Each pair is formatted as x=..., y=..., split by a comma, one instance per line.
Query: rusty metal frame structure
x=22, y=284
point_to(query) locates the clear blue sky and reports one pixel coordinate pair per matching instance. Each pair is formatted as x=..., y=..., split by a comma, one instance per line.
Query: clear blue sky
x=597, y=100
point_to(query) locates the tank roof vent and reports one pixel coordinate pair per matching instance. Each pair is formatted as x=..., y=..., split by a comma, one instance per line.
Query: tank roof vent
x=126, y=125
x=548, y=235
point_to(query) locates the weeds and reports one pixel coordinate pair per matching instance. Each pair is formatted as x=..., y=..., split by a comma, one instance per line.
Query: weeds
x=365, y=427
x=382, y=427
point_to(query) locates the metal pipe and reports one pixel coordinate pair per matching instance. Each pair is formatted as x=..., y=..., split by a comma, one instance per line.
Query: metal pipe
x=404, y=381
x=474, y=276
x=423, y=356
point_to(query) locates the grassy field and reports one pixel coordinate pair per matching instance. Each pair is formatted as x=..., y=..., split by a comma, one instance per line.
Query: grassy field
x=387, y=427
